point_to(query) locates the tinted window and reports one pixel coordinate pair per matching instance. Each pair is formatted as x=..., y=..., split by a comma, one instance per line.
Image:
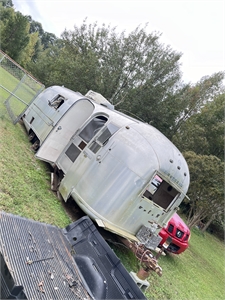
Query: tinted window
x=92, y=128
x=107, y=133
x=72, y=152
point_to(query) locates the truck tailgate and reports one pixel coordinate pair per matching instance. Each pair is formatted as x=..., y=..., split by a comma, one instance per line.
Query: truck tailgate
x=53, y=263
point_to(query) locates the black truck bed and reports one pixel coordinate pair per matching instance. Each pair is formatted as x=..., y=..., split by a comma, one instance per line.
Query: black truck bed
x=52, y=263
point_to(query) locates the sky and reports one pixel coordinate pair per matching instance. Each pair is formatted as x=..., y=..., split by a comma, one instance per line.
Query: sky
x=195, y=28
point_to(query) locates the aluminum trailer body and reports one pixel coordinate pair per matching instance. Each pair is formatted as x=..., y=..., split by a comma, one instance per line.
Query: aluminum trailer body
x=46, y=110
x=125, y=174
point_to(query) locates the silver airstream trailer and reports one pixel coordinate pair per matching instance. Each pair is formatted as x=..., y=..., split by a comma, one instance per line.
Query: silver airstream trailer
x=125, y=174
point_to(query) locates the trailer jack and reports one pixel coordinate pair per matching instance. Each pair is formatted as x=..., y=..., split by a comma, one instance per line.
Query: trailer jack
x=148, y=261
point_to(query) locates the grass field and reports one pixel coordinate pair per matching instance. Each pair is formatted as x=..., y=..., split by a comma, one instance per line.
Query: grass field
x=197, y=274
x=24, y=92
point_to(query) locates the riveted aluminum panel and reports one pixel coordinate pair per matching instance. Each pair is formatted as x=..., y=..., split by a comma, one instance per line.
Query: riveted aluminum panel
x=45, y=116
x=68, y=125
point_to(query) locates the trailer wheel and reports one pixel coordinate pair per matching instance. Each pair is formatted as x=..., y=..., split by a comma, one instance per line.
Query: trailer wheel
x=36, y=145
x=32, y=137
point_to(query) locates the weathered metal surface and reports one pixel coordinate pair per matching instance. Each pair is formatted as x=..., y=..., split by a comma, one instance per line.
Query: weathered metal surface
x=66, y=127
x=41, y=116
x=119, y=170
x=148, y=237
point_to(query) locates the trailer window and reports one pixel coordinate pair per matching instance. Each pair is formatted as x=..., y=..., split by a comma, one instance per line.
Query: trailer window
x=72, y=152
x=107, y=133
x=57, y=101
x=92, y=128
x=103, y=138
x=94, y=147
x=160, y=192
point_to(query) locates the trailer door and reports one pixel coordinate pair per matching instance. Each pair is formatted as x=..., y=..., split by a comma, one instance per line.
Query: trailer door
x=69, y=124
x=78, y=143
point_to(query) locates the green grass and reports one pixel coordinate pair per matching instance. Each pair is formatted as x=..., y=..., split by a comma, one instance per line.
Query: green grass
x=7, y=80
x=196, y=274
x=24, y=180
x=10, y=82
x=21, y=90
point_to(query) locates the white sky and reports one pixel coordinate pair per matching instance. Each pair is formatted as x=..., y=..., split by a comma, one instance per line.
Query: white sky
x=195, y=28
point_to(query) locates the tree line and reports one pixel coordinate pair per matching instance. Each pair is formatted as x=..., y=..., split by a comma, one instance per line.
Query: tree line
x=142, y=77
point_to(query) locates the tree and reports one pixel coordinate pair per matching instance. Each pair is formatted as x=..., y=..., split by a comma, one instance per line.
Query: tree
x=212, y=120
x=113, y=64
x=22, y=38
x=6, y=3
x=170, y=103
x=206, y=188
x=14, y=32
x=47, y=39
x=203, y=132
x=135, y=72
x=194, y=97
x=121, y=62
x=35, y=26
x=5, y=13
x=42, y=67
x=29, y=51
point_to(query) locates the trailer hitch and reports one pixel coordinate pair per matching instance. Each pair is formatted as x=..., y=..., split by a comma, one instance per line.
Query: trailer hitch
x=148, y=261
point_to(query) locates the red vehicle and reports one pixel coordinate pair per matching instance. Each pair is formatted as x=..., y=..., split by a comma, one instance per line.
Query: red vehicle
x=179, y=232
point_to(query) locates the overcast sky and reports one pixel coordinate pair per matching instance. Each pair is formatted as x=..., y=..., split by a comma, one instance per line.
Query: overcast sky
x=195, y=28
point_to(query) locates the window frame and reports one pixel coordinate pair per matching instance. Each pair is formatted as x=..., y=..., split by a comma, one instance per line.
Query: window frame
x=148, y=196
x=57, y=98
